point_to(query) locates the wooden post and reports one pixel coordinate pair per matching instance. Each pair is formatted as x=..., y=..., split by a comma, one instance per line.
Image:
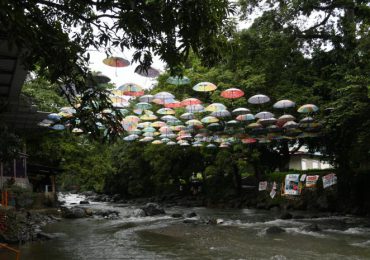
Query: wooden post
x=2, y=175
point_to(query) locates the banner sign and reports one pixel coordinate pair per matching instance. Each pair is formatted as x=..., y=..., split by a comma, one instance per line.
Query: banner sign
x=272, y=193
x=291, y=186
x=311, y=181
x=262, y=185
x=329, y=180
x=303, y=177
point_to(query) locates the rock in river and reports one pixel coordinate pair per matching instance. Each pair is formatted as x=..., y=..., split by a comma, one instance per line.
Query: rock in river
x=152, y=209
x=74, y=212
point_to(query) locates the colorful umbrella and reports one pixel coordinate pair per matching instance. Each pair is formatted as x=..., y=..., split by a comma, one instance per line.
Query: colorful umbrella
x=194, y=122
x=245, y=117
x=194, y=108
x=209, y=119
x=204, y=87
x=290, y=124
x=164, y=95
x=285, y=103
x=249, y=140
x=143, y=105
x=131, y=89
x=117, y=62
x=267, y=121
x=169, y=118
x=146, y=98
x=232, y=93
x=308, y=108
x=191, y=101
x=264, y=115
x=240, y=111
x=158, y=124
x=132, y=137
x=148, y=117
x=166, y=111
x=187, y=116
x=173, y=104
x=258, y=99
x=221, y=113
x=215, y=107
x=178, y=80
x=119, y=101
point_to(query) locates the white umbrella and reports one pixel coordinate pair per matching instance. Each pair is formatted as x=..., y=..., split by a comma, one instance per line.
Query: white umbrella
x=258, y=99
x=264, y=115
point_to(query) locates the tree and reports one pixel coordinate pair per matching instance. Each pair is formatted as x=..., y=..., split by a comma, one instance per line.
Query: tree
x=55, y=35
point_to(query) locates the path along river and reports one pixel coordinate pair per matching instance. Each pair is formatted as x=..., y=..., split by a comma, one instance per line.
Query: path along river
x=242, y=235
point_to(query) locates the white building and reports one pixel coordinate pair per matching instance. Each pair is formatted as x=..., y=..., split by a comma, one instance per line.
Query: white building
x=303, y=160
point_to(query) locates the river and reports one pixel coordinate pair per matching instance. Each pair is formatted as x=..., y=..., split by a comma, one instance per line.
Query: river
x=242, y=235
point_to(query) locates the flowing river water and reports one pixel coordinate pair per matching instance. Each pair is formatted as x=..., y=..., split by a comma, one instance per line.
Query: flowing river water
x=242, y=235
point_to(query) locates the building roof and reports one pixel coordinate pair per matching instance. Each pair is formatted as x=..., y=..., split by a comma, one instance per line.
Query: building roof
x=15, y=111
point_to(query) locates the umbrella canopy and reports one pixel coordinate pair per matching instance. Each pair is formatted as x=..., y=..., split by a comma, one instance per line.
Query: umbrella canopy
x=131, y=89
x=209, y=119
x=254, y=125
x=307, y=120
x=169, y=118
x=158, y=124
x=194, y=108
x=240, y=111
x=232, y=93
x=194, y=122
x=232, y=123
x=264, y=115
x=308, y=108
x=245, y=117
x=119, y=101
x=215, y=127
x=146, y=98
x=164, y=95
x=117, y=62
x=165, y=130
x=285, y=103
x=187, y=116
x=131, y=119
x=143, y=105
x=258, y=99
x=171, y=143
x=143, y=124
x=163, y=101
x=215, y=107
x=205, y=87
x=176, y=80
x=173, y=104
x=148, y=117
x=221, y=113
x=191, y=101
x=267, y=121
x=149, y=72
x=132, y=137
x=149, y=129
x=98, y=77
x=249, y=140
x=147, y=139
x=290, y=124
x=166, y=111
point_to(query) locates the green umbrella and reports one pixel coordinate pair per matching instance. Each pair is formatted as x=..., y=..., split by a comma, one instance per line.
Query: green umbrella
x=178, y=80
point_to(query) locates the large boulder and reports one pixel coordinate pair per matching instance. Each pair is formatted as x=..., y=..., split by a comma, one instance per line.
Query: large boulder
x=138, y=213
x=152, y=209
x=191, y=215
x=84, y=202
x=74, y=212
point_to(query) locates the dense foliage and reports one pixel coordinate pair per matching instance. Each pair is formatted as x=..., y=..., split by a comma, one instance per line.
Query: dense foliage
x=326, y=64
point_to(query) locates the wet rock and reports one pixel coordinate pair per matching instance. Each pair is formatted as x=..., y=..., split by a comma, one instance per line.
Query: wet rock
x=274, y=230
x=286, y=215
x=176, y=215
x=312, y=228
x=84, y=202
x=191, y=215
x=88, y=193
x=152, y=209
x=74, y=212
x=106, y=213
x=138, y=213
x=88, y=212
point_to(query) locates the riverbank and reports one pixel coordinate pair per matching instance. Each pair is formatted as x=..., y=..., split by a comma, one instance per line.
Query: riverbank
x=199, y=232
x=20, y=226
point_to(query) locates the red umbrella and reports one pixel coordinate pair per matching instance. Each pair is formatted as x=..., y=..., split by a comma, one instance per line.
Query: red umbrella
x=232, y=93
x=190, y=102
x=249, y=140
x=173, y=104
